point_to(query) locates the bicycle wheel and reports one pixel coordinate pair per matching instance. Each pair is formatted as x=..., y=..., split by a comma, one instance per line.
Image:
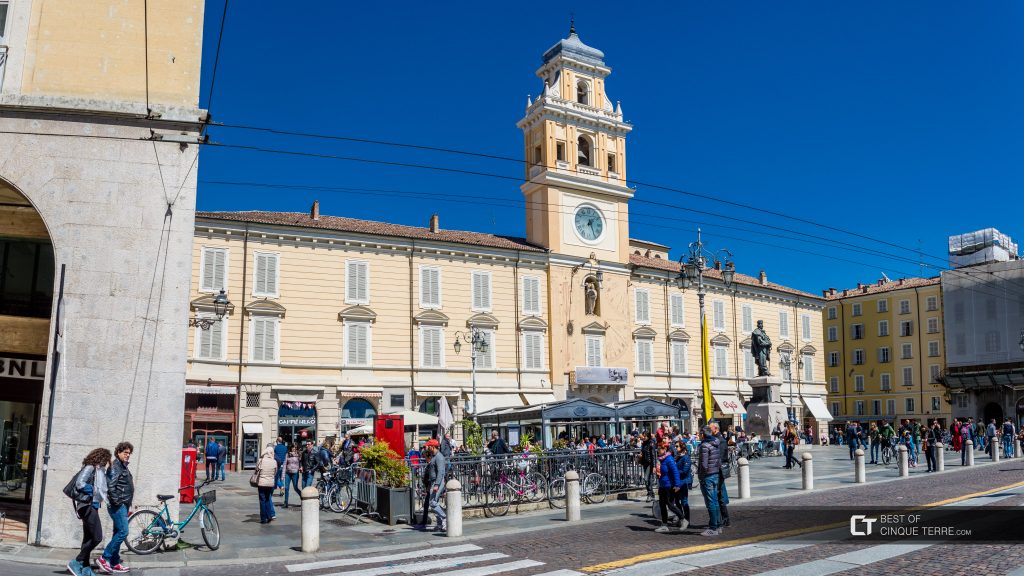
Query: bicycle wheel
x=210, y=528
x=13, y=483
x=595, y=489
x=535, y=487
x=341, y=498
x=556, y=493
x=886, y=455
x=146, y=530
x=499, y=500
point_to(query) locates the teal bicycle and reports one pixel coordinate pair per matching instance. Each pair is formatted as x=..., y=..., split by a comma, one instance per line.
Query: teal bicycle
x=147, y=529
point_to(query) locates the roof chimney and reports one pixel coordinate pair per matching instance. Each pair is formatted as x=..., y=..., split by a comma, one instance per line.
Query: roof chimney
x=824, y=292
x=859, y=285
x=763, y=278
x=314, y=212
x=832, y=291
x=435, y=223
x=900, y=282
x=718, y=264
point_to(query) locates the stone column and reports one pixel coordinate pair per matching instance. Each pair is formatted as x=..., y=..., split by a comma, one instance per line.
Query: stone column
x=859, y=474
x=940, y=457
x=997, y=447
x=453, y=501
x=310, y=519
x=572, y=496
x=743, y=477
x=808, y=471
x=970, y=452
x=904, y=461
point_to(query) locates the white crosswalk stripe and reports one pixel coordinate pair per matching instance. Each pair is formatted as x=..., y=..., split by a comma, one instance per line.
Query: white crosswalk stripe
x=359, y=561
x=495, y=569
x=415, y=567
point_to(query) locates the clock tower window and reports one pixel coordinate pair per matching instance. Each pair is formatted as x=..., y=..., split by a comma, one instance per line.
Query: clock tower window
x=584, y=155
x=537, y=159
x=560, y=151
x=583, y=92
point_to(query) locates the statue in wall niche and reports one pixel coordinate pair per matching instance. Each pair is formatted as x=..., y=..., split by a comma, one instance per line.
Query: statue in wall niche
x=590, y=290
x=761, y=349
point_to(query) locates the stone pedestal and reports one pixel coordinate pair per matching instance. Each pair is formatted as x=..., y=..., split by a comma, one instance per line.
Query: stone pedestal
x=766, y=409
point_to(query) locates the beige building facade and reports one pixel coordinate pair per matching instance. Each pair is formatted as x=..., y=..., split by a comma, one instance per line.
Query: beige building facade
x=336, y=319
x=885, y=351
x=99, y=122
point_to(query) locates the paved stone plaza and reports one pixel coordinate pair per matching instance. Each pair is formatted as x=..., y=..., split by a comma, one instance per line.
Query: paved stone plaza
x=614, y=538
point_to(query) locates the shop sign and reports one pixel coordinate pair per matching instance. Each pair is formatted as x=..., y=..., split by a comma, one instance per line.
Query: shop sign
x=296, y=421
x=22, y=368
x=729, y=404
x=601, y=375
x=354, y=421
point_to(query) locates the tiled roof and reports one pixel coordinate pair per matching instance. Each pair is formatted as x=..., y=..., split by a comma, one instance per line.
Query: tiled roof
x=880, y=287
x=672, y=266
x=303, y=220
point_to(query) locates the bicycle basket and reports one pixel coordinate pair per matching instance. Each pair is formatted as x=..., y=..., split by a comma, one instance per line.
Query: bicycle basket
x=209, y=497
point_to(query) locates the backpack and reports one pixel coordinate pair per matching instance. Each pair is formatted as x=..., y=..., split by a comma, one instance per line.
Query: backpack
x=72, y=491
x=1007, y=428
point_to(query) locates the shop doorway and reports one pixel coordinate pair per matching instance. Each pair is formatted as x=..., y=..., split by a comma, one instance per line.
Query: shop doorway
x=296, y=422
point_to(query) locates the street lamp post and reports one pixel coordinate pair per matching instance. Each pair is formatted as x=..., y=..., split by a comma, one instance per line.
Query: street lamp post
x=691, y=267
x=220, y=308
x=477, y=339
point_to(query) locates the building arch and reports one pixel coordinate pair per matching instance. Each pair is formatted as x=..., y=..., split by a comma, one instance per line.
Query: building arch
x=358, y=408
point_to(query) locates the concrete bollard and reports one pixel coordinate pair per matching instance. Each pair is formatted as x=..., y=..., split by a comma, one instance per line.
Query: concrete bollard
x=453, y=505
x=970, y=452
x=860, y=475
x=940, y=457
x=904, y=461
x=997, y=448
x=572, y=496
x=743, y=477
x=1016, y=448
x=310, y=519
x=808, y=470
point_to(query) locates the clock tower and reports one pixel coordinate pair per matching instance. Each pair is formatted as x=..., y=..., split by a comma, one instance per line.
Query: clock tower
x=575, y=147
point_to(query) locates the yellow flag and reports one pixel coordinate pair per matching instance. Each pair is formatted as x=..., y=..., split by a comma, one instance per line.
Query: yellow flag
x=705, y=370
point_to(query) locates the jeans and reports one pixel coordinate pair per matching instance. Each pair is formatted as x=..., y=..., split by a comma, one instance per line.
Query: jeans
x=853, y=448
x=280, y=473
x=92, y=532
x=436, y=500
x=307, y=478
x=1007, y=446
x=220, y=469
x=211, y=465
x=723, y=498
x=113, y=550
x=929, y=454
x=266, y=506
x=291, y=480
x=875, y=449
x=648, y=477
x=668, y=499
x=709, y=488
x=790, y=460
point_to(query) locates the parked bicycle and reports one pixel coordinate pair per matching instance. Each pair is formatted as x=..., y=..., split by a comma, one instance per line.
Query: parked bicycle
x=147, y=529
x=516, y=483
x=334, y=489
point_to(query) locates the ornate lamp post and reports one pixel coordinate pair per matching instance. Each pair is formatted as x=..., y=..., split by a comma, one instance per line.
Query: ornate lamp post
x=691, y=267
x=220, y=308
x=477, y=340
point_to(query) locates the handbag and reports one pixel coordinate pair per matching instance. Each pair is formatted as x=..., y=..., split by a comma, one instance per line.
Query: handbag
x=254, y=480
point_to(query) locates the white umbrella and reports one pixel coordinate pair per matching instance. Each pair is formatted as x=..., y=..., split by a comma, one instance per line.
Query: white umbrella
x=413, y=418
x=444, y=416
x=364, y=430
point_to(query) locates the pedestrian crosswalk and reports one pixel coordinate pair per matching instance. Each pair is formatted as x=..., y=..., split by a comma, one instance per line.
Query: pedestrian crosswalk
x=454, y=560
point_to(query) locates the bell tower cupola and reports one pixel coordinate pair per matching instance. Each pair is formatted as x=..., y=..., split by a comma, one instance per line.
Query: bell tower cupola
x=575, y=149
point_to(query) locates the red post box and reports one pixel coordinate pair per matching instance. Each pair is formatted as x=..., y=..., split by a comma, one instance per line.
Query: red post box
x=189, y=456
x=390, y=429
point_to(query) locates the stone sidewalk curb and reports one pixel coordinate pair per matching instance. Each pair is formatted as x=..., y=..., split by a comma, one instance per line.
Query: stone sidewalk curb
x=288, y=553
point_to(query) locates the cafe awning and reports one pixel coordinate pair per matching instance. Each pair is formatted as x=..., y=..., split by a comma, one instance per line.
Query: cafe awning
x=252, y=428
x=535, y=399
x=492, y=401
x=729, y=403
x=817, y=407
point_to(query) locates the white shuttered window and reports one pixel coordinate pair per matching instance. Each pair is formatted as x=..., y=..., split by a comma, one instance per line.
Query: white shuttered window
x=594, y=353
x=531, y=295
x=486, y=359
x=748, y=318
x=721, y=361
x=482, y=291
x=679, y=357
x=805, y=325
x=210, y=343
x=430, y=287
x=431, y=347
x=265, y=281
x=263, y=340
x=643, y=306
x=357, y=344
x=533, y=350
x=719, y=315
x=214, y=278
x=644, y=356
x=784, y=324
x=357, y=282
x=677, y=313
x=749, y=369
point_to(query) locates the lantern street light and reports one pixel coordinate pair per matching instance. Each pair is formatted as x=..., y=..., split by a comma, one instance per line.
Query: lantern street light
x=220, y=308
x=477, y=339
x=691, y=268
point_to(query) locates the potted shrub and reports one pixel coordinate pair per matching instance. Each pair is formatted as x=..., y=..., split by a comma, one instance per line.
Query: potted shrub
x=394, y=495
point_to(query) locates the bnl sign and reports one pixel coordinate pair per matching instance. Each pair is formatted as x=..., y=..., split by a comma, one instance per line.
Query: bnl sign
x=22, y=368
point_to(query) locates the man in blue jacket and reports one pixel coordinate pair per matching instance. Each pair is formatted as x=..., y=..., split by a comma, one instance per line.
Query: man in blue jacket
x=280, y=452
x=212, y=453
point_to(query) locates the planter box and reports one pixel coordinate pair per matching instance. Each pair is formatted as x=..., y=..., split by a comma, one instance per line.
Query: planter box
x=395, y=504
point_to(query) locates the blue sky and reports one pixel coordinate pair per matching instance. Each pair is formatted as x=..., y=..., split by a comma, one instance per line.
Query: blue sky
x=900, y=121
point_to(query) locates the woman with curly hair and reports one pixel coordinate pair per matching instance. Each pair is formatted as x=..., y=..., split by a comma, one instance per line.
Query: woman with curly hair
x=90, y=494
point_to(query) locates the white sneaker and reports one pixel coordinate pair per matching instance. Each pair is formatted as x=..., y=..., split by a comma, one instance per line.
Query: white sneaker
x=710, y=532
x=662, y=529
x=684, y=524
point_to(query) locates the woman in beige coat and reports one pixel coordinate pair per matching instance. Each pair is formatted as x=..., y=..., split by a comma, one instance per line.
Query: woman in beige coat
x=267, y=475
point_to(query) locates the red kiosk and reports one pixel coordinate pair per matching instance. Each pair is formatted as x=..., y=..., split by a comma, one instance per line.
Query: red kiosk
x=189, y=465
x=390, y=429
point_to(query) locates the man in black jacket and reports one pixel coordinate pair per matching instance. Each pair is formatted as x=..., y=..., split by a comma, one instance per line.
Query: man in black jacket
x=120, y=493
x=723, y=455
x=648, y=457
x=310, y=462
x=497, y=445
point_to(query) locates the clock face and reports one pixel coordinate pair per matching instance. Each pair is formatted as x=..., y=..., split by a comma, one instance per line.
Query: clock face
x=589, y=223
